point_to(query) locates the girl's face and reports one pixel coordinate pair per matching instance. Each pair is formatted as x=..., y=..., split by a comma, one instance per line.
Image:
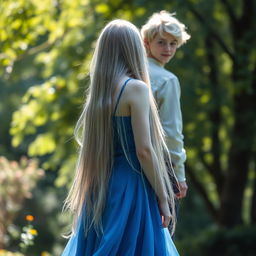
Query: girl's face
x=162, y=48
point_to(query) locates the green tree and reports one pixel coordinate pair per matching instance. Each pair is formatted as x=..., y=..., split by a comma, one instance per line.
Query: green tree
x=216, y=68
x=226, y=148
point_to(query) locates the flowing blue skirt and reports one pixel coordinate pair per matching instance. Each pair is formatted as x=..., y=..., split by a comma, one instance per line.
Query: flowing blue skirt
x=131, y=219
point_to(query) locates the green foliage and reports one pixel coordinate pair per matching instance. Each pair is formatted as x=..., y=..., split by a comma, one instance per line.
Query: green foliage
x=60, y=54
x=49, y=109
x=46, y=47
x=239, y=241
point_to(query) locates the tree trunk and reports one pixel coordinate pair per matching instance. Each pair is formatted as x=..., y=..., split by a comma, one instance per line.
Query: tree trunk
x=253, y=206
x=231, y=184
x=239, y=158
x=215, y=114
x=243, y=131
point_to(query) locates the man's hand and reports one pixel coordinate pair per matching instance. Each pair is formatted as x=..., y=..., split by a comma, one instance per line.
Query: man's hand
x=183, y=187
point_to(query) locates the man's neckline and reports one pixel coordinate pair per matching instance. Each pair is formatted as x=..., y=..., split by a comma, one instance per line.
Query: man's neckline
x=155, y=61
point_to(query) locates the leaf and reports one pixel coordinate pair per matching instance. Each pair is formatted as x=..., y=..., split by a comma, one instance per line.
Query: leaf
x=43, y=144
x=102, y=8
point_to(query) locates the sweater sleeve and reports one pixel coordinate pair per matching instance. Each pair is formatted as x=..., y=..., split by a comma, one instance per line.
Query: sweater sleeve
x=168, y=100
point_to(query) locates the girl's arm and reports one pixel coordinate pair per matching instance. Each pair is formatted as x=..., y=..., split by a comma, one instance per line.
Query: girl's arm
x=138, y=99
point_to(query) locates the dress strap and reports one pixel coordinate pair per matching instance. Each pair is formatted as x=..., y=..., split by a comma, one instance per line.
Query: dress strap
x=120, y=94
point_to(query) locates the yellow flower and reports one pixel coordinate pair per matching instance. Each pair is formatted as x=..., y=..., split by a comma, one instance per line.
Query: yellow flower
x=29, y=218
x=2, y=252
x=33, y=232
x=45, y=254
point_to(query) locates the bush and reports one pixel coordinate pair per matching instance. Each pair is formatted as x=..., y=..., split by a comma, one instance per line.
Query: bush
x=239, y=241
x=7, y=253
x=17, y=180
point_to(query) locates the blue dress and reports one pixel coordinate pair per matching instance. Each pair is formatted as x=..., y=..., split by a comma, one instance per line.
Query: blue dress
x=131, y=219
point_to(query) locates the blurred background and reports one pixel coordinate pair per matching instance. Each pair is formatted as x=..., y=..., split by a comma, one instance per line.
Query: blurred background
x=45, y=51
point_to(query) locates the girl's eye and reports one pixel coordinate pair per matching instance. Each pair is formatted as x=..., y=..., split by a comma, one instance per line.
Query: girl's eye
x=173, y=44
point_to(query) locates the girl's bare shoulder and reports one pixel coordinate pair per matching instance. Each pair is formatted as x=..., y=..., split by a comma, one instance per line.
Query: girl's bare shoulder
x=136, y=87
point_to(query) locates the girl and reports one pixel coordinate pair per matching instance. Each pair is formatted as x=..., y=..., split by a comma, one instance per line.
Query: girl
x=121, y=192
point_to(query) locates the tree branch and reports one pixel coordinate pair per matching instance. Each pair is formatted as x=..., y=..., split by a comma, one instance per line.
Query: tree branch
x=214, y=112
x=214, y=172
x=29, y=52
x=3, y=56
x=211, y=31
x=230, y=11
x=253, y=203
x=34, y=50
x=200, y=188
x=206, y=165
x=254, y=78
x=248, y=10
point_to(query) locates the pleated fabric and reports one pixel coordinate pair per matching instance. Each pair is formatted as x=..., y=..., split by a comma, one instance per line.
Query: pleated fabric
x=131, y=219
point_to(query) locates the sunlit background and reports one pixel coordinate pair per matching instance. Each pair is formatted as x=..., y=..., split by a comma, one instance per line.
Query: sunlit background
x=45, y=51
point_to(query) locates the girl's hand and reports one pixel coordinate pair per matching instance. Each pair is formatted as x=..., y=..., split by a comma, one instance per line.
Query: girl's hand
x=165, y=213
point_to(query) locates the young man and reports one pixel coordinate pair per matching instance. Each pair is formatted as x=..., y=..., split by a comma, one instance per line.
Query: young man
x=162, y=35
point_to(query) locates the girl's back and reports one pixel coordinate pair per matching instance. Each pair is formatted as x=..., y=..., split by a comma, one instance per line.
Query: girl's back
x=121, y=184
x=131, y=218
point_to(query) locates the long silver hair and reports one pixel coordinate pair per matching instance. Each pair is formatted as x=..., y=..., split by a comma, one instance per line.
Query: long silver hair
x=119, y=52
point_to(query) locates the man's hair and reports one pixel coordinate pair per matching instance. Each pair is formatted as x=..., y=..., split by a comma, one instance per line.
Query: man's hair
x=164, y=21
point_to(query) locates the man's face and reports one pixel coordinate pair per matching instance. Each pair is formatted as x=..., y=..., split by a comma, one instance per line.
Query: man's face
x=162, y=48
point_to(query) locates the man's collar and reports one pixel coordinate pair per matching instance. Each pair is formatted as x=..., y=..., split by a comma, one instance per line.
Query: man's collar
x=154, y=61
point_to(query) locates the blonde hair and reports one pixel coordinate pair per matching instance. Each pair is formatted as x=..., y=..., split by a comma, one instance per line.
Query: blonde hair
x=119, y=52
x=164, y=22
